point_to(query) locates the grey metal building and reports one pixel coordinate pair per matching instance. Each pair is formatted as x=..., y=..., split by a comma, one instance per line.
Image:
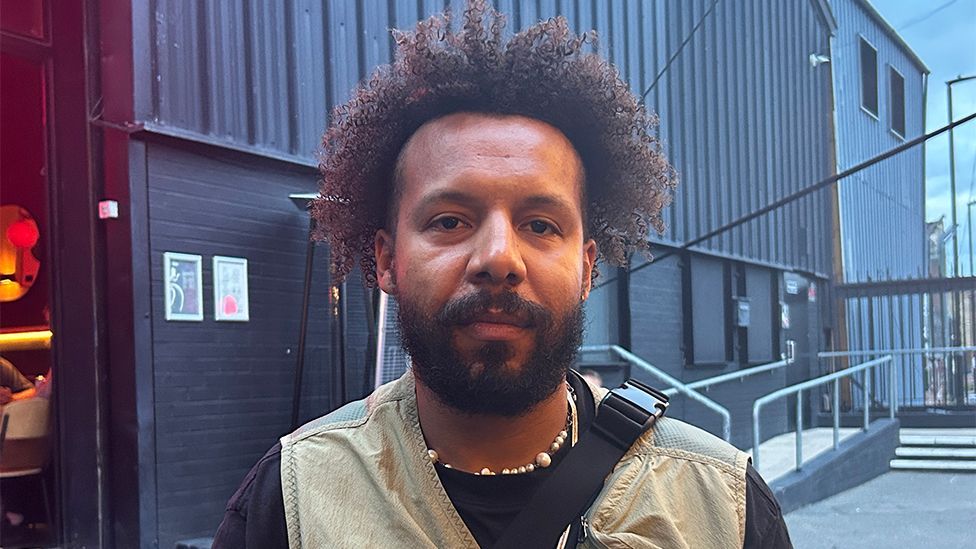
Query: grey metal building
x=879, y=103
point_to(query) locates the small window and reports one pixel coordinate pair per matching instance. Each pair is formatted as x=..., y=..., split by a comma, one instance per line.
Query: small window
x=897, y=84
x=869, y=77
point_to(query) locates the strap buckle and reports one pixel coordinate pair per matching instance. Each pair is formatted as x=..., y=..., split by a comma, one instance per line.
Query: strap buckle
x=628, y=411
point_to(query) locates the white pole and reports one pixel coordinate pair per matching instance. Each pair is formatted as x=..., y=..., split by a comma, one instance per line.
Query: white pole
x=380, y=338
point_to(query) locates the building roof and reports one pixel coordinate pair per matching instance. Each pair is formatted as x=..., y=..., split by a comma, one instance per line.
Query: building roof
x=890, y=31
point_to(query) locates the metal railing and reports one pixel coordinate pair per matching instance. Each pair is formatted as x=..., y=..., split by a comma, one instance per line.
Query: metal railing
x=816, y=382
x=709, y=381
x=942, y=378
x=677, y=385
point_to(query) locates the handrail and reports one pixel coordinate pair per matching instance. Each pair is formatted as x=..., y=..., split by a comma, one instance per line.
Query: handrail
x=709, y=381
x=679, y=386
x=815, y=382
x=924, y=351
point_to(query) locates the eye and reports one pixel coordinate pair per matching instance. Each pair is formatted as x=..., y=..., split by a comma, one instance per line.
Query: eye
x=447, y=223
x=541, y=227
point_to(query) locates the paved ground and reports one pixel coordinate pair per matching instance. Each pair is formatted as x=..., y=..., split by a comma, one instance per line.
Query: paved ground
x=898, y=509
x=778, y=454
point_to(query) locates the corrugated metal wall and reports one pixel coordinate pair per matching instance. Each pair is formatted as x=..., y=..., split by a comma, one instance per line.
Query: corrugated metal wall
x=882, y=207
x=744, y=116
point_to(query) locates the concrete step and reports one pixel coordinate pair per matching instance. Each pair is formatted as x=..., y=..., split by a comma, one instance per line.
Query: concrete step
x=933, y=464
x=938, y=431
x=937, y=440
x=935, y=452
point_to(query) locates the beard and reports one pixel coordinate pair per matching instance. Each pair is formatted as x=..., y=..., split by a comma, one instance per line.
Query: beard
x=482, y=382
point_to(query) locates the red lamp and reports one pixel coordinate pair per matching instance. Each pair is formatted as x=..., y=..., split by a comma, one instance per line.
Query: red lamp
x=23, y=233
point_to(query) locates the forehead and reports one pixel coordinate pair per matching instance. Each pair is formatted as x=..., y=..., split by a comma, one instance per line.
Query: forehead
x=506, y=154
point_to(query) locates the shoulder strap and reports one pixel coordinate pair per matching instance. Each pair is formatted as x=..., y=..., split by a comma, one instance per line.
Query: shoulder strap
x=623, y=415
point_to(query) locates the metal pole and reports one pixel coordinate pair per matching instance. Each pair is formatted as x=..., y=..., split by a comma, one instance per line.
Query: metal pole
x=867, y=397
x=893, y=391
x=836, y=410
x=952, y=174
x=799, y=430
x=952, y=185
x=380, y=339
x=969, y=215
x=343, y=397
x=755, y=436
x=296, y=395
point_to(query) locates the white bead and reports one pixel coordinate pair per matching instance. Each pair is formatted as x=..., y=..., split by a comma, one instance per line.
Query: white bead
x=432, y=454
x=523, y=468
x=506, y=471
x=560, y=440
x=448, y=466
x=543, y=460
x=486, y=471
x=563, y=434
x=554, y=447
x=529, y=468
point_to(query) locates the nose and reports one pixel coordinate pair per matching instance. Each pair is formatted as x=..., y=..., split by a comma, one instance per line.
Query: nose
x=496, y=258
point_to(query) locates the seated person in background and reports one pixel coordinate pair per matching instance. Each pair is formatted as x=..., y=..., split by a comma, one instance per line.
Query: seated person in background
x=13, y=384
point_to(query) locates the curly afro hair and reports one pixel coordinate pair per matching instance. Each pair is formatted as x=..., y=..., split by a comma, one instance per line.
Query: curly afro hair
x=542, y=72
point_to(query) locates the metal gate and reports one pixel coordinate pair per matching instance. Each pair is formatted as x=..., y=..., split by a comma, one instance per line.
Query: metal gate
x=924, y=314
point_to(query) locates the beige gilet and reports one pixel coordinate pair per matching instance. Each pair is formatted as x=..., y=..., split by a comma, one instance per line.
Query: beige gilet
x=360, y=477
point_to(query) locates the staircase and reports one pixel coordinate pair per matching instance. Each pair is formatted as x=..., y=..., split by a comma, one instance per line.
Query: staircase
x=936, y=450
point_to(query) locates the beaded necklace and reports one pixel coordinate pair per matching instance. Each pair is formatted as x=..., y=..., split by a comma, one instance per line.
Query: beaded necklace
x=542, y=459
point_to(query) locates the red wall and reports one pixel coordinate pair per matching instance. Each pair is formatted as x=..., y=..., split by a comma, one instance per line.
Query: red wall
x=23, y=181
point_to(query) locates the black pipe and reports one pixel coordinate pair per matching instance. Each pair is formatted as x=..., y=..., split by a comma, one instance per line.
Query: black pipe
x=343, y=397
x=370, y=354
x=296, y=396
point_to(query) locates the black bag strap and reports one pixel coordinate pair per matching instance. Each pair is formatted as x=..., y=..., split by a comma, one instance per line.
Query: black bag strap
x=626, y=413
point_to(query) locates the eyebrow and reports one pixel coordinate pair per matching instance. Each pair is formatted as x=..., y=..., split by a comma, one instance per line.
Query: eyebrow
x=465, y=199
x=550, y=201
x=458, y=197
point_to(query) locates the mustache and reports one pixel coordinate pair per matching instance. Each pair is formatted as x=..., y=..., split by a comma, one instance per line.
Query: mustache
x=466, y=309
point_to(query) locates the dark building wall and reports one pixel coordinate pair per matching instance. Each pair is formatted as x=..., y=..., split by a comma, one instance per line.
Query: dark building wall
x=658, y=335
x=223, y=390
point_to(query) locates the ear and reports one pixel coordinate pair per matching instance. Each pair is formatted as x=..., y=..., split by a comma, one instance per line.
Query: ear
x=589, y=260
x=383, y=253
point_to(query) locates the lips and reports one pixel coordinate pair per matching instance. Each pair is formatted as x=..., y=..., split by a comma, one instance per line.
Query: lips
x=489, y=316
x=495, y=326
x=501, y=318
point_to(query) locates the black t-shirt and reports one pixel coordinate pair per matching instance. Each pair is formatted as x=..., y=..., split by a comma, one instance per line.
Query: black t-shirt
x=255, y=515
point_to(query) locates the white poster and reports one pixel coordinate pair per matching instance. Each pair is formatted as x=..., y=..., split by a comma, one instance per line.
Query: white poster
x=230, y=288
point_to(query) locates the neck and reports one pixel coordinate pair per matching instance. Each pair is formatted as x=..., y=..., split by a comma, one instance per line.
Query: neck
x=470, y=442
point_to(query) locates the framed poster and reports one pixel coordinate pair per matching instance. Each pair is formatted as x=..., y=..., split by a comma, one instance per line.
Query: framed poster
x=230, y=288
x=183, y=277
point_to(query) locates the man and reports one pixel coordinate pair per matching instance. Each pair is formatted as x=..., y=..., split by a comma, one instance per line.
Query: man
x=13, y=384
x=479, y=182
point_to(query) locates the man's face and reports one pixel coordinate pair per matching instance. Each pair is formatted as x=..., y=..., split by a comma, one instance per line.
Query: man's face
x=488, y=263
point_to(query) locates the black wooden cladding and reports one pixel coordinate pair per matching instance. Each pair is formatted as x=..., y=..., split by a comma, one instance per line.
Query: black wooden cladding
x=223, y=389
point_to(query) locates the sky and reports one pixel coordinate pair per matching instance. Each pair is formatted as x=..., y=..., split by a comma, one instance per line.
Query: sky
x=943, y=34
